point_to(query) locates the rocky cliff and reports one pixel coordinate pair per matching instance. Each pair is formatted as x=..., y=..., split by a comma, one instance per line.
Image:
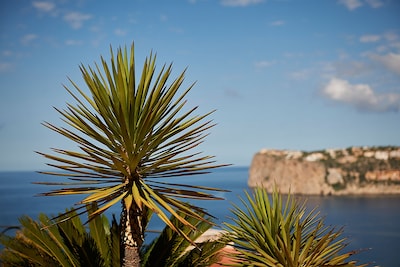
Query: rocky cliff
x=354, y=170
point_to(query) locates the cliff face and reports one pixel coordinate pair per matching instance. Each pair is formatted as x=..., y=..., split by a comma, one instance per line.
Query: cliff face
x=355, y=170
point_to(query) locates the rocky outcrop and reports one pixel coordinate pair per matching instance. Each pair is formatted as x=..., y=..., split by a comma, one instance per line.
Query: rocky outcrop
x=355, y=170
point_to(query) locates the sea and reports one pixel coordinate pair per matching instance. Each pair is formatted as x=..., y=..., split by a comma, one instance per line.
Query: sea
x=371, y=223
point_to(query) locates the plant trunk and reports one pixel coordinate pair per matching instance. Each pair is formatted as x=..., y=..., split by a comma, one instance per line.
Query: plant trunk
x=131, y=257
x=132, y=236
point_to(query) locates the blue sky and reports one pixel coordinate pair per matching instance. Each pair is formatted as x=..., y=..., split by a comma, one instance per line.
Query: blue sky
x=301, y=75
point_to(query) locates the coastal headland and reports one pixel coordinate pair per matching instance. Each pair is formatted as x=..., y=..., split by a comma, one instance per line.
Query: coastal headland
x=349, y=171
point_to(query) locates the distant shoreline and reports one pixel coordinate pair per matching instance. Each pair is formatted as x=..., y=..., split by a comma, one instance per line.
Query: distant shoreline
x=349, y=171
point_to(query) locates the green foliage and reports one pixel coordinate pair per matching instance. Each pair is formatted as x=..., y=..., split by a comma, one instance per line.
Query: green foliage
x=171, y=249
x=62, y=242
x=69, y=243
x=355, y=171
x=130, y=132
x=269, y=232
x=339, y=186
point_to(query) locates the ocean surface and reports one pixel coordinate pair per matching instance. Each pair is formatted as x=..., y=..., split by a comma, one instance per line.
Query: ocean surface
x=371, y=223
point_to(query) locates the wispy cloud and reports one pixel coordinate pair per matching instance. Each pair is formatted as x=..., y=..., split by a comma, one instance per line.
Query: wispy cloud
x=370, y=38
x=351, y=4
x=76, y=19
x=392, y=42
x=120, y=32
x=263, y=64
x=387, y=40
x=28, y=38
x=383, y=57
x=354, y=4
x=374, y=3
x=300, y=75
x=387, y=36
x=44, y=6
x=391, y=36
x=390, y=61
x=240, y=3
x=277, y=23
x=351, y=68
x=360, y=96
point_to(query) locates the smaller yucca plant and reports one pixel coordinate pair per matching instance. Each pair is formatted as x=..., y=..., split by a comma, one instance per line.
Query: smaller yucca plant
x=61, y=242
x=267, y=231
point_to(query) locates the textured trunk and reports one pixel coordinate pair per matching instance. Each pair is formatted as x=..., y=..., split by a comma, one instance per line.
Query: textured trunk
x=131, y=256
x=132, y=237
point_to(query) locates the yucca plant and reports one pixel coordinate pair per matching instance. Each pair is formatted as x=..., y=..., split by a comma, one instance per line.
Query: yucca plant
x=130, y=133
x=67, y=243
x=267, y=231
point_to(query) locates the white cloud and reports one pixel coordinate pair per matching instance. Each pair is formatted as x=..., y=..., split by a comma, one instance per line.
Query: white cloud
x=369, y=38
x=391, y=61
x=395, y=45
x=361, y=96
x=351, y=4
x=44, y=6
x=346, y=68
x=76, y=19
x=354, y=4
x=240, y=2
x=263, y=64
x=391, y=36
x=374, y=3
x=28, y=38
x=388, y=40
x=277, y=23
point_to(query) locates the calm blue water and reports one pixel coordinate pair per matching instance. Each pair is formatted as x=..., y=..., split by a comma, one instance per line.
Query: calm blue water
x=371, y=223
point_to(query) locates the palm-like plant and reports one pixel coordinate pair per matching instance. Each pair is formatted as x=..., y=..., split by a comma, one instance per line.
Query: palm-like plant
x=67, y=244
x=269, y=232
x=130, y=134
